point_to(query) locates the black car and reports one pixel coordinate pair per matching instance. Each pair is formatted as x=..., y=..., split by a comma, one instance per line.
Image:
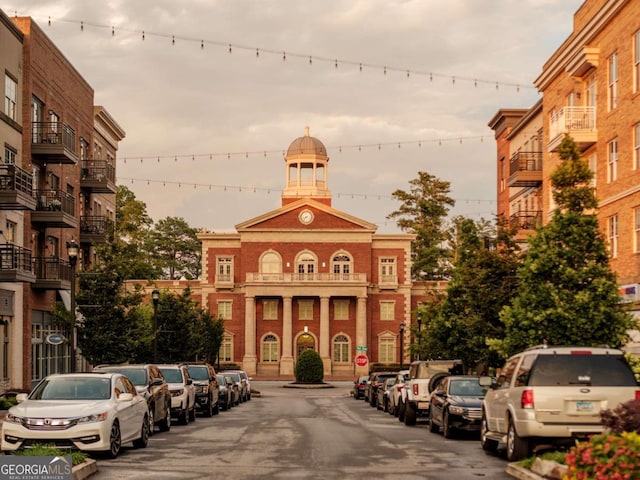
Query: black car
x=226, y=395
x=151, y=384
x=375, y=382
x=207, y=391
x=359, y=385
x=456, y=404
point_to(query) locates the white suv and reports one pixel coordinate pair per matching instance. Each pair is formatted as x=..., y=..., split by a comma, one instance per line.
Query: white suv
x=183, y=393
x=553, y=395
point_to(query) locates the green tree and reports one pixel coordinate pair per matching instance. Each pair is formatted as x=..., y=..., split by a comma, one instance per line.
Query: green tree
x=186, y=331
x=175, y=248
x=423, y=211
x=567, y=292
x=482, y=282
x=131, y=237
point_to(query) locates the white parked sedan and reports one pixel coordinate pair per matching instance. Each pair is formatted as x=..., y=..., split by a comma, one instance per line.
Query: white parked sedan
x=93, y=412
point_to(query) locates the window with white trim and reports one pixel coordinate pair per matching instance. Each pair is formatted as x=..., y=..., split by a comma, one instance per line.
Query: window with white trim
x=305, y=309
x=636, y=146
x=613, y=82
x=270, y=309
x=306, y=266
x=226, y=348
x=388, y=273
x=10, y=96
x=224, y=269
x=612, y=231
x=341, y=347
x=341, y=265
x=270, y=263
x=593, y=162
x=270, y=349
x=636, y=62
x=636, y=230
x=225, y=309
x=387, y=310
x=10, y=155
x=612, y=171
x=387, y=349
x=341, y=309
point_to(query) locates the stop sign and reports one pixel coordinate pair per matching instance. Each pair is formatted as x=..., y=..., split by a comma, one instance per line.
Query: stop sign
x=362, y=360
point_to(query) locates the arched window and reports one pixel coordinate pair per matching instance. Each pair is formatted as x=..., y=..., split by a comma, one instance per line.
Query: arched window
x=341, y=349
x=270, y=348
x=341, y=265
x=270, y=264
x=306, y=264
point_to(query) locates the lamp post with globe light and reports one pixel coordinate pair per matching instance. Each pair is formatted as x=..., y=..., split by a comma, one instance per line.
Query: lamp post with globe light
x=401, y=343
x=72, y=253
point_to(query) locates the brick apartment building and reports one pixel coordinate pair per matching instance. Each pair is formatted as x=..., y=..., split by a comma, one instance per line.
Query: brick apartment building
x=57, y=184
x=590, y=90
x=307, y=275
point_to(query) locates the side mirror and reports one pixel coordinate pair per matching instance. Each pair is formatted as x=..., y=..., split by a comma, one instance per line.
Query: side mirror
x=156, y=381
x=488, y=382
x=21, y=397
x=189, y=381
x=125, y=397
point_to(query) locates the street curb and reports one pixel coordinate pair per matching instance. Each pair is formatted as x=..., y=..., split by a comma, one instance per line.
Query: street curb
x=522, y=473
x=84, y=469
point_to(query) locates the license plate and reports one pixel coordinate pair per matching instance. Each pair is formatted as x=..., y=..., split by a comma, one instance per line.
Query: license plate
x=584, y=406
x=423, y=405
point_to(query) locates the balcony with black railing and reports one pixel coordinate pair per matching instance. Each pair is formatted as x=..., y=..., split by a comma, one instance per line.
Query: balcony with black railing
x=93, y=229
x=52, y=273
x=525, y=222
x=525, y=169
x=16, y=189
x=54, y=142
x=54, y=208
x=15, y=264
x=98, y=176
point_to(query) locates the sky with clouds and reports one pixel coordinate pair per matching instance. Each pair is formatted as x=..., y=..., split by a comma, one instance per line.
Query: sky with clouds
x=216, y=91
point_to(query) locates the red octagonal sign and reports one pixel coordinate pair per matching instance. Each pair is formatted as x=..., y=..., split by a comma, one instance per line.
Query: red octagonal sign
x=362, y=360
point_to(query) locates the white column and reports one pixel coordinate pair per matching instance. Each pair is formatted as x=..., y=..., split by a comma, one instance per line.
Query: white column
x=361, y=333
x=286, y=361
x=324, y=335
x=249, y=361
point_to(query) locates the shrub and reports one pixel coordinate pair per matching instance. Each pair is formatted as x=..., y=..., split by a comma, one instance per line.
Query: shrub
x=606, y=457
x=309, y=367
x=47, y=450
x=624, y=418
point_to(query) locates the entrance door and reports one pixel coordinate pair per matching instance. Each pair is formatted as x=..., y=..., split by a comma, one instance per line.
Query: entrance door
x=305, y=342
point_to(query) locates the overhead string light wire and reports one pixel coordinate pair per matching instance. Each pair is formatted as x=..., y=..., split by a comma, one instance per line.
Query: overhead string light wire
x=335, y=61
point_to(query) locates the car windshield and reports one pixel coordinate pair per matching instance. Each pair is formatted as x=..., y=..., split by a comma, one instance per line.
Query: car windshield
x=235, y=376
x=138, y=376
x=593, y=370
x=199, y=373
x=466, y=388
x=77, y=388
x=172, y=375
x=221, y=379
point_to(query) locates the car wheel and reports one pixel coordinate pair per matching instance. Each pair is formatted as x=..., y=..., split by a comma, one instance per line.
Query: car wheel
x=184, y=416
x=216, y=409
x=209, y=411
x=152, y=420
x=488, y=445
x=401, y=411
x=192, y=413
x=433, y=427
x=115, y=440
x=390, y=409
x=410, y=415
x=373, y=401
x=447, y=430
x=517, y=448
x=165, y=424
x=143, y=441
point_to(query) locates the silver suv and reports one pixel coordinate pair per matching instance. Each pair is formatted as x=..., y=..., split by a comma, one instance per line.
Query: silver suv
x=553, y=395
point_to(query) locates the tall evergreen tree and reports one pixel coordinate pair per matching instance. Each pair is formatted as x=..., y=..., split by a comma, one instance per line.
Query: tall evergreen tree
x=175, y=248
x=482, y=281
x=567, y=291
x=423, y=211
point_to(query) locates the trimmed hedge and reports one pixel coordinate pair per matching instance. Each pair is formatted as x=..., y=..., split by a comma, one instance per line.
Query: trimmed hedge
x=309, y=367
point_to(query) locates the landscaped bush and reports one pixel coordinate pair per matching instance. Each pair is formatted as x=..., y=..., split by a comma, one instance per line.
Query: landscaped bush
x=624, y=418
x=605, y=457
x=309, y=367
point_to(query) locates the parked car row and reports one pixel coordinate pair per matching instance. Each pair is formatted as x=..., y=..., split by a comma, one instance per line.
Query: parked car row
x=99, y=411
x=545, y=395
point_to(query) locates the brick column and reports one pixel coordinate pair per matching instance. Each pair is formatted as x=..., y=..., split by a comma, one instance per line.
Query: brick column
x=249, y=361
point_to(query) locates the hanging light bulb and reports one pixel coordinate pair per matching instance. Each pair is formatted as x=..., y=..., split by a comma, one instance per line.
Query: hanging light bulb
x=82, y=26
x=113, y=31
x=310, y=60
x=143, y=35
x=257, y=52
x=173, y=40
x=336, y=63
x=230, y=48
x=201, y=44
x=360, y=67
x=284, y=56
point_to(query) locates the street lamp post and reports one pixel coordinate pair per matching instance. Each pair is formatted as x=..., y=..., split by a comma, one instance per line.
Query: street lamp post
x=155, y=297
x=419, y=321
x=401, y=343
x=72, y=253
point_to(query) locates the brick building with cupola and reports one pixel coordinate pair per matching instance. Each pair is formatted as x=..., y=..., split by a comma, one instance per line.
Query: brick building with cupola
x=307, y=275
